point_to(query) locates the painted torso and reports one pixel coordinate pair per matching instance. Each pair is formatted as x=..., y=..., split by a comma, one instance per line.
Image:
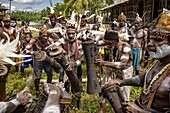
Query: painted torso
x=138, y=41
x=161, y=99
x=10, y=31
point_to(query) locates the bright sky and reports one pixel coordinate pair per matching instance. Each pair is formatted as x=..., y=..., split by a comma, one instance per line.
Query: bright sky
x=28, y=5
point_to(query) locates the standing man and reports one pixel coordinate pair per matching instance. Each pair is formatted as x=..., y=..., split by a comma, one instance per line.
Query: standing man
x=138, y=43
x=83, y=22
x=11, y=32
x=74, y=52
x=7, y=29
x=38, y=44
x=25, y=37
x=121, y=61
x=122, y=27
x=56, y=36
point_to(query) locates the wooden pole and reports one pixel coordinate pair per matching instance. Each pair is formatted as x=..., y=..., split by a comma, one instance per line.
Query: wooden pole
x=152, y=12
x=10, y=6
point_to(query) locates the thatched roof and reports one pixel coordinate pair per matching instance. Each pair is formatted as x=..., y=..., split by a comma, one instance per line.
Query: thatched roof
x=112, y=5
x=2, y=13
x=3, y=9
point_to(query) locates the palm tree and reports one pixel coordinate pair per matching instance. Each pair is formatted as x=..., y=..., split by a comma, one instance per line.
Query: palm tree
x=109, y=2
x=1, y=6
x=59, y=7
x=81, y=5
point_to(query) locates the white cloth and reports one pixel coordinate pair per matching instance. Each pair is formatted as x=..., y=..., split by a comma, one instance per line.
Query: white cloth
x=126, y=89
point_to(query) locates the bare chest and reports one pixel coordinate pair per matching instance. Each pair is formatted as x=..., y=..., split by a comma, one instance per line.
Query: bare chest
x=164, y=89
x=155, y=81
x=123, y=30
x=42, y=45
x=10, y=33
x=139, y=35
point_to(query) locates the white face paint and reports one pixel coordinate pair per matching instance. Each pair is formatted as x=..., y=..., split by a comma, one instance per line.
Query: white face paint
x=161, y=52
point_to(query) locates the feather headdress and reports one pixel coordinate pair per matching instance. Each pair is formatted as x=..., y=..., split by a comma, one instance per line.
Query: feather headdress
x=8, y=49
x=51, y=8
x=72, y=21
x=161, y=27
x=163, y=22
x=138, y=19
x=122, y=17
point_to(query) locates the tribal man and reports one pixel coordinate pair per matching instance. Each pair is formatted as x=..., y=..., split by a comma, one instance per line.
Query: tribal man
x=121, y=61
x=57, y=37
x=138, y=43
x=25, y=37
x=155, y=97
x=122, y=27
x=39, y=44
x=11, y=32
x=74, y=52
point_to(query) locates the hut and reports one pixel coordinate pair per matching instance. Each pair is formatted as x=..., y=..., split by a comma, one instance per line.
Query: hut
x=147, y=9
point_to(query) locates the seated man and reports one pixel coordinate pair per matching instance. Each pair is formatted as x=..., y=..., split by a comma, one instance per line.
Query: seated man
x=155, y=97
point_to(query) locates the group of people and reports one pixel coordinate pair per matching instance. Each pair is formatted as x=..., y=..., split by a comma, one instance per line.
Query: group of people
x=59, y=47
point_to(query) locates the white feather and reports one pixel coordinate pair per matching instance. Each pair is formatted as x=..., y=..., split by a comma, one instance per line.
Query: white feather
x=73, y=16
x=8, y=60
x=166, y=10
x=51, y=10
x=97, y=32
x=85, y=12
x=33, y=29
x=8, y=39
x=91, y=16
x=7, y=50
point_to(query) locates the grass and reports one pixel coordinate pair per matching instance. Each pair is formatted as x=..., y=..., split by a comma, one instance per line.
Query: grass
x=15, y=83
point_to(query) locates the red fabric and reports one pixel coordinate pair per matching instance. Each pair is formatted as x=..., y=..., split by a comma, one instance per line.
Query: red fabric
x=75, y=45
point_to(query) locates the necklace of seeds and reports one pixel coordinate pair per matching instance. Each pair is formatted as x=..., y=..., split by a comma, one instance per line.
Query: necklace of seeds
x=147, y=90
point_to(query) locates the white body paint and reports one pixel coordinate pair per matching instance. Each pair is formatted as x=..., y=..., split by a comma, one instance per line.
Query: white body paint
x=124, y=57
x=117, y=64
x=4, y=105
x=52, y=109
x=126, y=49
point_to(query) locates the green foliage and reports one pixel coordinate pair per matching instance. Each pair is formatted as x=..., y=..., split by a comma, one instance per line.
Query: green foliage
x=109, y=2
x=27, y=16
x=135, y=93
x=15, y=83
x=66, y=8
x=82, y=5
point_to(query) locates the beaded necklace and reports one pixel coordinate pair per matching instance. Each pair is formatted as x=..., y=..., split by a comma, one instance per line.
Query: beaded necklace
x=147, y=89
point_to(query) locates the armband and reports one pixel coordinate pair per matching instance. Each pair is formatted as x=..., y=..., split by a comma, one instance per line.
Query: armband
x=117, y=64
x=101, y=42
